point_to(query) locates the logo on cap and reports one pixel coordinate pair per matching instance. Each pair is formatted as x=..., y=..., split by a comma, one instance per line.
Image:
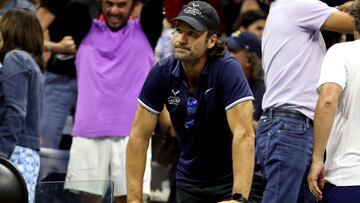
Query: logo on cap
x=200, y=15
x=193, y=10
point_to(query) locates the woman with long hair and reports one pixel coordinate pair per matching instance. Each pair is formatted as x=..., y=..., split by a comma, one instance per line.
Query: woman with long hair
x=21, y=87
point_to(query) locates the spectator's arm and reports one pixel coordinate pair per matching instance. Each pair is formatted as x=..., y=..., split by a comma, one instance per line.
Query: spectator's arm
x=339, y=22
x=324, y=117
x=45, y=17
x=240, y=122
x=143, y=125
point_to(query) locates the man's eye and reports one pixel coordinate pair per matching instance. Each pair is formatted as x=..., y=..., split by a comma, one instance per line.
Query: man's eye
x=177, y=30
x=193, y=34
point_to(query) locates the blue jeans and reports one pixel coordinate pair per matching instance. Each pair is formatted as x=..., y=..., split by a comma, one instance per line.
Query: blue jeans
x=59, y=98
x=283, y=152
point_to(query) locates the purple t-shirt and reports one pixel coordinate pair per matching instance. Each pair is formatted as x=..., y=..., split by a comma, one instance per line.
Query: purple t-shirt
x=111, y=69
x=293, y=50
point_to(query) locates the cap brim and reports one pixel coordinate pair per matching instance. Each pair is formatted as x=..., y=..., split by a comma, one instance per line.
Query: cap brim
x=193, y=22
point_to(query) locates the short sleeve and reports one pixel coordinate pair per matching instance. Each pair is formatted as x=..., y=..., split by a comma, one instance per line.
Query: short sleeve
x=312, y=14
x=235, y=86
x=152, y=95
x=334, y=68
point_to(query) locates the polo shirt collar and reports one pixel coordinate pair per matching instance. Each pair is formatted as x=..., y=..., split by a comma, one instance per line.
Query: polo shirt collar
x=177, y=70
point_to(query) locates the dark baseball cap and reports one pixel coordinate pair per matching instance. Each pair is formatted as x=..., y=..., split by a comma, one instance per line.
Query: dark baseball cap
x=200, y=15
x=244, y=40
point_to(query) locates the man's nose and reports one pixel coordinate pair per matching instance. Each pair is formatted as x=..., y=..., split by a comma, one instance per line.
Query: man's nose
x=114, y=9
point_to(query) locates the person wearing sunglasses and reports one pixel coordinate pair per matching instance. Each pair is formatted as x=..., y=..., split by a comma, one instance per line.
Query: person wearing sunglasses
x=210, y=106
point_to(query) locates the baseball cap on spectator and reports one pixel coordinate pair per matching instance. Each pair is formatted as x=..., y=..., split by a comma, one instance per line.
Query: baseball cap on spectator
x=244, y=40
x=200, y=15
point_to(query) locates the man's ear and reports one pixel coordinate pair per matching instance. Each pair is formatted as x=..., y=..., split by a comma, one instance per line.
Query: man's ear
x=212, y=41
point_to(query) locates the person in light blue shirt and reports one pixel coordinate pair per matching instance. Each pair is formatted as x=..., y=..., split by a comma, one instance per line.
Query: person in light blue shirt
x=293, y=49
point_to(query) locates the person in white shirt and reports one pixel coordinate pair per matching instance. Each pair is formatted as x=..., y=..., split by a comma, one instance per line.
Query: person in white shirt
x=336, y=127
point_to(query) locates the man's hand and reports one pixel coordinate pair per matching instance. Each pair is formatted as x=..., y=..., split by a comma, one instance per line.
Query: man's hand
x=65, y=46
x=316, y=179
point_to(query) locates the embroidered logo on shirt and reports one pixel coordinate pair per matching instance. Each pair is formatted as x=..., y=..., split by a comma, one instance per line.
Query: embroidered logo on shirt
x=174, y=99
x=175, y=92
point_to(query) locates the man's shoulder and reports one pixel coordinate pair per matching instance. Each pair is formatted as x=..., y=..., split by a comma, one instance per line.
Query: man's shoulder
x=344, y=48
x=348, y=44
x=225, y=61
x=98, y=23
x=166, y=67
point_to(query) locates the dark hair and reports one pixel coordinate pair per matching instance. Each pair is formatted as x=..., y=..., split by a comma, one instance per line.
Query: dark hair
x=218, y=50
x=255, y=61
x=355, y=12
x=247, y=18
x=21, y=29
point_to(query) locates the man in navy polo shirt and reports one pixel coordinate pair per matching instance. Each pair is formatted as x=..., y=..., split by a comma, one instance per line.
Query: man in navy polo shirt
x=210, y=106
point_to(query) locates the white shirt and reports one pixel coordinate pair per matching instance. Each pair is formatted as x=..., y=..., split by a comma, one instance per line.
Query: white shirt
x=341, y=65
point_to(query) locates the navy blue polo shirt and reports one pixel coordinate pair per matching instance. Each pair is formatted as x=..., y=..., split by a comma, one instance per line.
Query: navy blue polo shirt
x=206, y=158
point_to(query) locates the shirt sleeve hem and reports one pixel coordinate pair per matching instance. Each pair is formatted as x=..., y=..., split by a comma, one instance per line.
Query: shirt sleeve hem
x=244, y=99
x=148, y=107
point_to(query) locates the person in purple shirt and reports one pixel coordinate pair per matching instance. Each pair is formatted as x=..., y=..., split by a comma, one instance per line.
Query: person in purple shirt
x=210, y=106
x=293, y=49
x=112, y=63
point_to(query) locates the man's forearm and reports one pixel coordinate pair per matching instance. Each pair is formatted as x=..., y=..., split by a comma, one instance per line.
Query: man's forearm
x=135, y=167
x=324, y=118
x=243, y=163
x=142, y=128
